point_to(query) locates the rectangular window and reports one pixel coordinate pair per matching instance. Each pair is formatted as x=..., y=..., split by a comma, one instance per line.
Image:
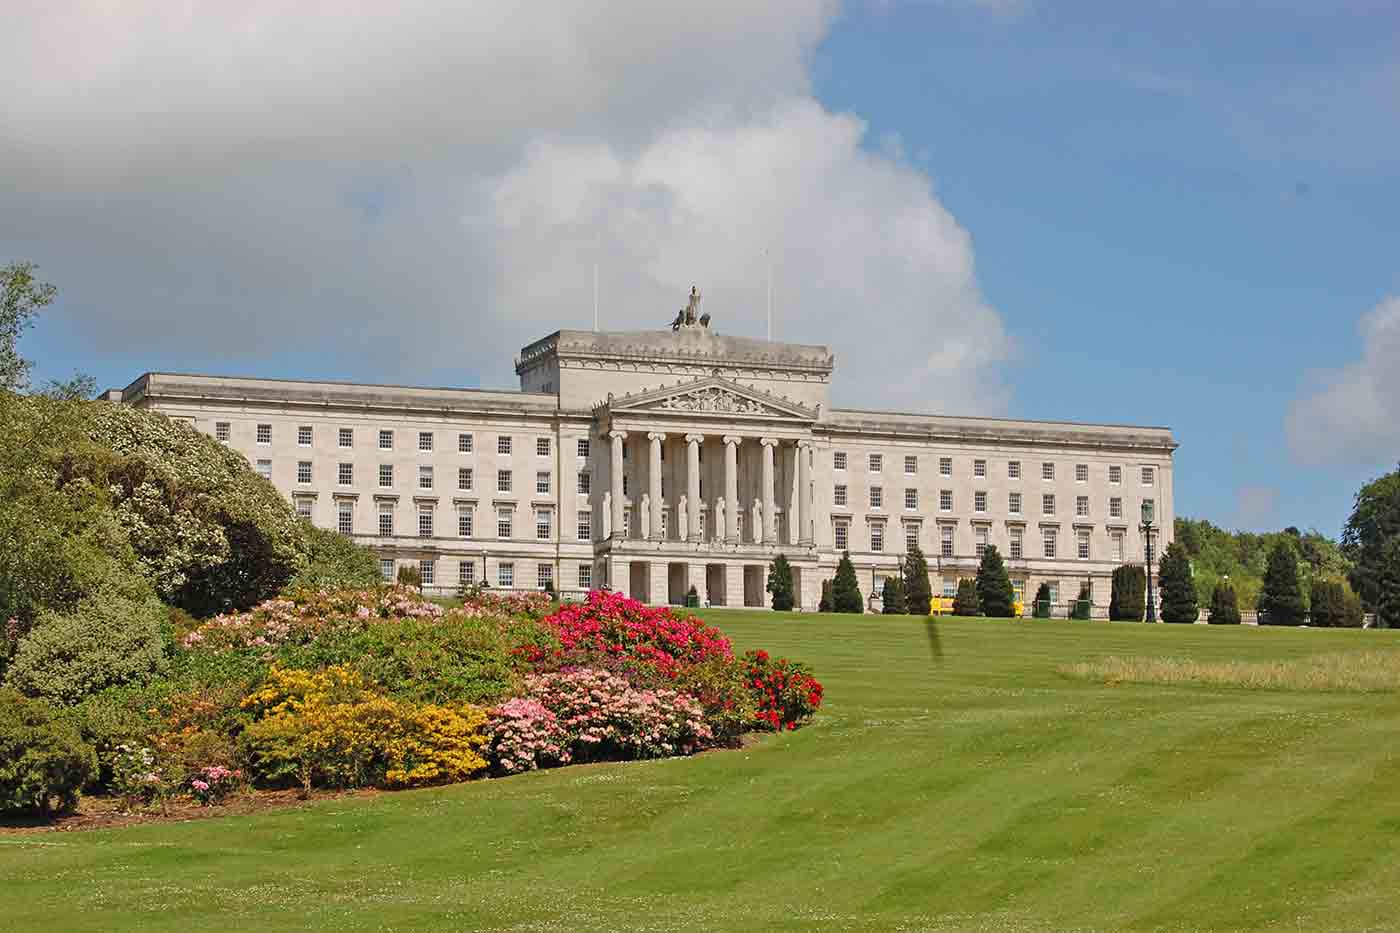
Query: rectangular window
x=427, y=568
x=1115, y=507
x=877, y=462
x=303, y=471
x=1115, y=475
x=838, y=460
x=979, y=501
x=911, y=464
x=465, y=479
x=1013, y=469
x=503, y=445
x=1049, y=535
x=386, y=440
x=503, y=481
x=425, y=521
x=464, y=444
x=505, y=574
x=541, y=447
x=425, y=477
x=945, y=466
x=1081, y=506
x=583, y=452
x=425, y=440
x=386, y=570
x=911, y=499
x=304, y=509
x=1047, y=471
x=1157, y=518
x=950, y=590
x=1013, y=503
x=945, y=540
x=221, y=430
x=1019, y=588
x=1149, y=476
x=584, y=530
x=1054, y=593
x=505, y=520
x=464, y=522
x=911, y=536
x=981, y=534
x=345, y=437
x=466, y=573
x=945, y=500
x=542, y=483
x=838, y=495
x=264, y=434
x=345, y=474
x=544, y=525
x=877, y=536
x=265, y=469
x=1047, y=504
x=585, y=576
x=304, y=436
x=843, y=535
x=1081, y=472
x=1117, y=539
x=345, y=518
x=544, y=576
x=979, y=469
x=877, y=497
x=1016, y=536
x=386, y=519
x=585, y=482
x=1083, y=537
x=386, y=475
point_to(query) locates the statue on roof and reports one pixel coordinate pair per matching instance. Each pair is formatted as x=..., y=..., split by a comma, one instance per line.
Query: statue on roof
x=690, y=315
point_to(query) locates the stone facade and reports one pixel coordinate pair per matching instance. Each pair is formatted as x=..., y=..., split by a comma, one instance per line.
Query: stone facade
x=654, y=461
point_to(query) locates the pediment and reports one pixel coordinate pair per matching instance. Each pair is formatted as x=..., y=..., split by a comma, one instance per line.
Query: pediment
x=712, y=396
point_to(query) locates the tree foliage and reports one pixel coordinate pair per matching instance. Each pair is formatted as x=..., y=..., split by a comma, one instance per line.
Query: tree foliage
x=43, y=761
x=1083, y=607
x=995, y=595
x=965, y=603
x=1224, y=605
x=780, y=583
x=1281, y=600
x=1332, y=604
x=334, y=560
x=892, y=601
x=22, y=297
x=845, y=591
x=918, y=592
x=824, y=605
x=1128, y=598
x=1040, y=607
x=1179, y=602
x=1242, y=556
x=1371, y=540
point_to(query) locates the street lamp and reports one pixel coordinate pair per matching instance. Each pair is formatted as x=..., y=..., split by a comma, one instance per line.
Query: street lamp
x=1147, y=532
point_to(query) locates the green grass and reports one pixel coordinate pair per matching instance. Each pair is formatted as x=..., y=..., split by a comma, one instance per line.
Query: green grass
x=955, y=781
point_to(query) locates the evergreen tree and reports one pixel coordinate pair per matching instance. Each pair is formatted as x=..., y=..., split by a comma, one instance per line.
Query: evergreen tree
x=1371, y=540
x=917, y=591
x=1333, y=605
x=780, y=583
x=965, y=603
x=1083, y=605
x=892, y=597
x=1281, y=600
x=825, y=604
x=1224, y=605
x=1178, y=590
x=845, y=591
x=1041, y=607
x=995, y=595
x=1128, y=600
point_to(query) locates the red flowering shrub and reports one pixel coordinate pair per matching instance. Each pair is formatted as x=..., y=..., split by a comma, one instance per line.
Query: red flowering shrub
x=786, y=692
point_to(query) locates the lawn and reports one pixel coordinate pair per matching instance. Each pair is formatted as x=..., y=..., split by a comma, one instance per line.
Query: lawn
x=954, y=781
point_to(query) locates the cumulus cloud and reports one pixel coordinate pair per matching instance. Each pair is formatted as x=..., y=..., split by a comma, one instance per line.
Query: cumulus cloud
x=1355, y=415
x=432, y=184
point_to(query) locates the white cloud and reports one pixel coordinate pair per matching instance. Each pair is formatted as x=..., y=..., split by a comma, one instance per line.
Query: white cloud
x=1355, y=415
x=432, y=183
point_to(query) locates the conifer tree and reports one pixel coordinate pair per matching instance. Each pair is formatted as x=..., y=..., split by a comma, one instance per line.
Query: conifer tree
x=965, y=603
x=780, y=583
x=1084, y=604
x=1178, y=590
x=892, y=597
x=825, y=604
x=1128, y=599
x=1224, y=605
x=1041, y=607
x=845, y=591
x=1281, y=599
x=918, y=594
x=995, y=595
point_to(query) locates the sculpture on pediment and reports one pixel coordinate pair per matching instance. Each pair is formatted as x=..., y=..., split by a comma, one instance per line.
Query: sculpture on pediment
x=607, y=515
x=757, y=527
x=720, y=529
x=682, y=519
x=713, y=399
x=690, y=315
x=646, y=515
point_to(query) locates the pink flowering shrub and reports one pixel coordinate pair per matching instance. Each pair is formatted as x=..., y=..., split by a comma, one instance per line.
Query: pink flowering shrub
x=210, y=785
x=533, y=606
x=302, y=616
x=611, y=627
x=525, y=735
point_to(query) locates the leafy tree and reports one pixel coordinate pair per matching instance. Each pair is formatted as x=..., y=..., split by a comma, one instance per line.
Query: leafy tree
x=825, y=604
x=892, y=601
x=1281, y=600
x=1040, y=609
x=333, y=560
x=845, y=591
x=1332, y=604
x=78, y=389
x=965, y=603
x=1241, y=556
x=1178, y=592
x=1370, y=541
x=1224, y=606
x=22, y=297
x=995, y=595
x=1083, y=606
x=780, y=583
x=1128, y=600
x=918, y=593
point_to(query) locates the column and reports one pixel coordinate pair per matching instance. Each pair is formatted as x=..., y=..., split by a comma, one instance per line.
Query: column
x=616, y=477
x=770, y=498
x=654, y=482
x=692, y=486
x=731, y=489
x=804, y=493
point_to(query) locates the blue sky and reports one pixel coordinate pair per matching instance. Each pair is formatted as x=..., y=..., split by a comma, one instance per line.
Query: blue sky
x=1176, y=214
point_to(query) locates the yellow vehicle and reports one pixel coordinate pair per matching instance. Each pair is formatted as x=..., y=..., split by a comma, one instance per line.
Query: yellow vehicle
x=943, y=606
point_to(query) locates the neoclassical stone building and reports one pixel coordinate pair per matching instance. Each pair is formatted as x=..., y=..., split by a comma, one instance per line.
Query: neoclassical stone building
x=654, y=461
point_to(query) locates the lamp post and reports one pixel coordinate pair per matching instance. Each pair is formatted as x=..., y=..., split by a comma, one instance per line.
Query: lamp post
x=1147, y=532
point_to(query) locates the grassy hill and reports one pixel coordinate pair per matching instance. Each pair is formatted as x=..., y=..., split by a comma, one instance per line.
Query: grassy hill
x=954, y=780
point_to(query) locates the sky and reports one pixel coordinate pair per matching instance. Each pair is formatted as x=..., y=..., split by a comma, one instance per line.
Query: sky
x=1162, y=213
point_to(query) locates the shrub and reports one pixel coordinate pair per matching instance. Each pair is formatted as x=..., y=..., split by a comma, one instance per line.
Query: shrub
x=721, y=687
x=1042, y=607
x=304, y=615
x=825, y=604
x=892, y=597
x=1333, y=605
x=43, y=762
x=1083, y=607
x=918, y=593
x=525, y=735
x=410, y=576
x=1178, y=592
x=1128, y=600
x=965, y=602
x=780, y=583
x=211, y=785
x=787, y=693
x=995, y=595
x=333, y=560
x=845, y=591
x=1224, y=606
x=1281, y=599
x=106, y=641
x=136, y=776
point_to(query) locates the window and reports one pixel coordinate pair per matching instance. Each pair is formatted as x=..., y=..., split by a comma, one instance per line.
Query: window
x=1047, y=471
x=1050, y=536
x=303, y=471
x=1153, y=503
x=981, y=534
x=544, y=524
x=585, y=526
x=838, y=495
x=304, y=508
x=1117, y=539
x=425, y=477
x=979, y=469
x=877, y=497
x=386, y=570
x=264, y=434
x=583, y=452
x=1083, y=545
x=585, y=576
x=505, y=574
x=979, y=501
x=466, y=573
x=221, y=430
x=945, y=466
x=911, y=499
x=346, y=437
x=386, y=440
x=265, y=469
x=542, y=483
x=386, y=475
x=541, y=447
x=911, y=536
x=1013, y=469
x=843, y=535
x=877, y=536
x=1018, y=587
x=950, y=590
x=585, y=482
x=1081, y=472
x=945, y=540
x=1016, y=549
x=426, y=568
x=1013, y=503
x=945, y=500
x=505, y=519
x=1047, y=504
x=911, y=464
x=464, y=479
x=503, y=481
x=345, y=517
x=1115, y=507
x=345, y=474
x=1081, y=506
x=425, y=521
x=838, y=460
x=425, y=440
x=1149, y=475
x=877, y=463
x=1054, y=593
x=386, y=519
x=1115, y=475
x=464, y=445
x=304, y=436
x=465, y=516
x=544, y=576
x=503, y=445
